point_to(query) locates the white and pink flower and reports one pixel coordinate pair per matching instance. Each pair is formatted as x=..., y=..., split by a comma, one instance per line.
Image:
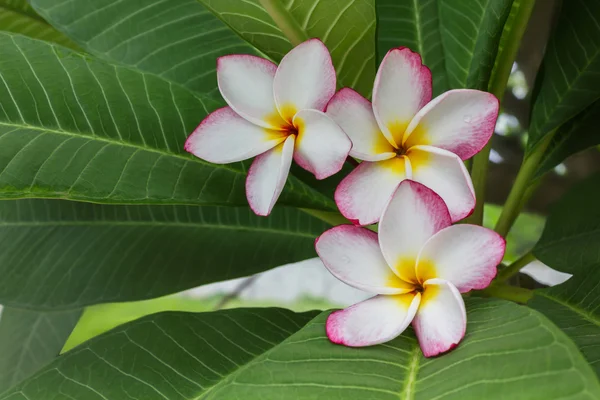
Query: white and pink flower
x=275, y=113
x=418, y=266
x=406, y=135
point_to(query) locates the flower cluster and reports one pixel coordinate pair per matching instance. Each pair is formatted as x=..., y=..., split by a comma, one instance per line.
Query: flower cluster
x=412, y=180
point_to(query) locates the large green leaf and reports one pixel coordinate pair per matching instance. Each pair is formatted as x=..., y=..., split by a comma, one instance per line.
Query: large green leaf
x=58, y=254
x=510, y=352
x=471, y=31
x=570, y=78
x=17, y=16
x=574, y=136
x=78, y=128
x=179, y=42
x=29, y=340
x=413, y=24
x=346, y=27
x=570, y=243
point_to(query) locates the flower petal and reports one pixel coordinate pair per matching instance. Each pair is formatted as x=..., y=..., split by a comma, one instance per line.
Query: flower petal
x=362, y=195
x=267, y=176
x=373, y=321
x=444, y=173
x=413, y=215
x=461, y=121
x=246, y=84
x=353, y=256
x=402, y=87
x=305, y=79
x=225, y=137
x=464, y=255
x=322, y=146
x=441, y=320
x=354, y=114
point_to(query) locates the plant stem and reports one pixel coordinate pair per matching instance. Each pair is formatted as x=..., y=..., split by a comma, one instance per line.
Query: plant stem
x=331, y=217
x=507, y=292
x=514, y=202
x=285, y=21
x=515, y=267
x=497, y=87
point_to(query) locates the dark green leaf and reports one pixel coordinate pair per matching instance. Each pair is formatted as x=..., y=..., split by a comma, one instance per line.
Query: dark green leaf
x=17, y=16
x=58, y=254
x=510, y=352
x=346, y=27
x=29, y=340
x=78, y=128
x=574, y=136
x=179, y=41
x=570, y=243
x=570, y=80
x=471, y=31
x=413, y=24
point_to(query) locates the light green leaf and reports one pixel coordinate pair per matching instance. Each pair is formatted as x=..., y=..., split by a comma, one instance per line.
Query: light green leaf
x=29, y=340
x=346, y=27
x=574, y=136
x=17, y=16
x=510, y=352
x=78, y=128
x=413, y=24
x=569, y=80
x=57, y=254
x=570, y=243
x=471, y=31
x=179, y=42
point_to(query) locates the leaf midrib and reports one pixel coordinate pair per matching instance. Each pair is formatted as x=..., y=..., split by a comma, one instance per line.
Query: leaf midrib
x=581, y=312
x=23, y=13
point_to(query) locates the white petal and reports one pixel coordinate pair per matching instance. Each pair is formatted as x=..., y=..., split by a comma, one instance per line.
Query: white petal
x=444, y=173
x=246, y=84
x=413, y=215
x=353, y=256
x=321, y=146
x=354, y=115
x=461, y=121
x=305, y=79
x=373, y=321
x=441, y=320
x=362, y=195
x=465, y=255
x=267, y=176
x=225, y=137
x=402, y=87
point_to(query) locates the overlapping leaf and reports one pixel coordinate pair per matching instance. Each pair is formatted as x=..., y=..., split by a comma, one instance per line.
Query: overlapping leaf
x=570, y=76
x=346, y=27
x=471, y=32
x=58, y=254
x=570, y=243
x=177, y=41
x=17, y=16
x=413, y=24
x=29, y=340
x=77, y=128
x=509, y=350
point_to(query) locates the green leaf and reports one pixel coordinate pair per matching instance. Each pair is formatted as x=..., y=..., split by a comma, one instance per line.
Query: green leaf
x=57, y=254
x=17, y=16
x=570, y=77
x=471, y=32
x=29, y=340
x=179, y=42
x=346, y=27
x=570, y=243
x=78, y=128
x=509, y=352
x=574, y=136
x=413, y=24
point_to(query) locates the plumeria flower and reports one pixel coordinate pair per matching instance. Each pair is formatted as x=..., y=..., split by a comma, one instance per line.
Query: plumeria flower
x=275, y=113
x=406, y=135
x=418, y=267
